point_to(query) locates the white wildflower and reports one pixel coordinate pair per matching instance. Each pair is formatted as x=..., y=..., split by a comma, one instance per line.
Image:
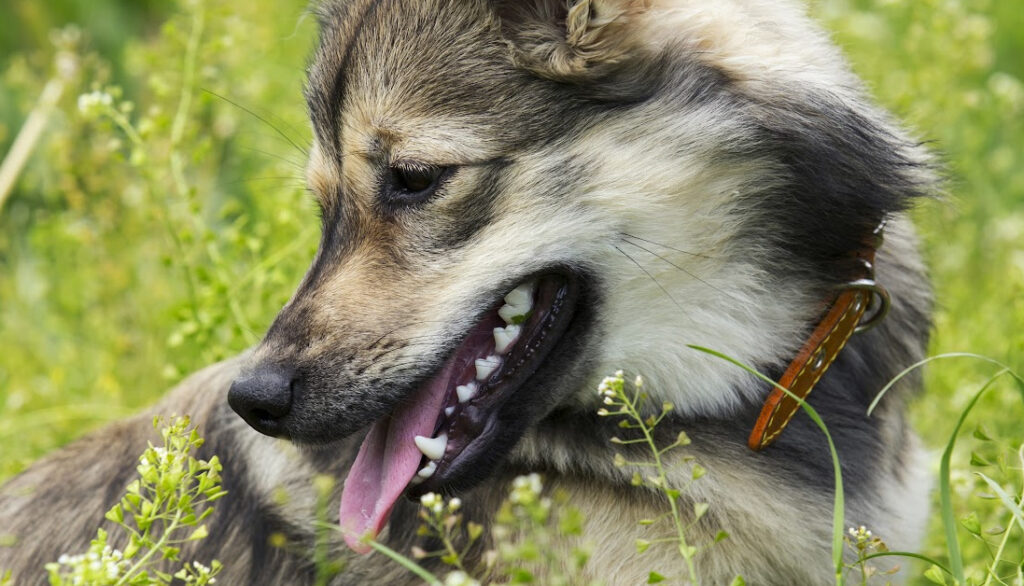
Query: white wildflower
x=94, y=103
x=459, y=578
x=430, y=500
x=526, y=489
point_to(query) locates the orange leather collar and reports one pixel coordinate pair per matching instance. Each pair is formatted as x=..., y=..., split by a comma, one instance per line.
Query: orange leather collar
x=844, y=315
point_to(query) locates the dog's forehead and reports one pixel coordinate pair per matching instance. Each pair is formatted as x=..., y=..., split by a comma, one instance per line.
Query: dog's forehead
x=393, y=66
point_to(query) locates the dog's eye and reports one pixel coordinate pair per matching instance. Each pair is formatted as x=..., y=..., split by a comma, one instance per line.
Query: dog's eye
x=409, y=184
x=415, y=180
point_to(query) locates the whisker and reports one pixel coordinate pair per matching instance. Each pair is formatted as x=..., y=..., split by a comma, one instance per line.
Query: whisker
x=646, y=272
x=696, y=254
x=307, y=13
x=667, y=261
x=284, y=179
x=305, y=153
x=296, y=164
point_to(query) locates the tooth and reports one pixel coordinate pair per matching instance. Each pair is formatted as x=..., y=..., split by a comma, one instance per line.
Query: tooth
x=466, y=392
x=427, y=471
x=505, y=337
x=432, y=448
x=449, y=410
x=485, y=367
x=521, y=296
x=510, y=312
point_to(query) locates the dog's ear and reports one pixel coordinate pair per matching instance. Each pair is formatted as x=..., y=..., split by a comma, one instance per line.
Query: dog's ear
x=572, y=40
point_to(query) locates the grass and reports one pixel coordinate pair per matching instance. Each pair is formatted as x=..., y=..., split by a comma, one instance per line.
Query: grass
x=950, y=69
x=117, y=253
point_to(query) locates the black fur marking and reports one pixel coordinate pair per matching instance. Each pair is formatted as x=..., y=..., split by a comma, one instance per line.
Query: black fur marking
x=695, y=84
x=472, y=212
x=260, y=518
x=325, y=108
x=843, y=174
x=341, y=232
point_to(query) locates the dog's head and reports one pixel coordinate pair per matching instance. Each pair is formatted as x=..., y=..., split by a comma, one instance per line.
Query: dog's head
x=519, y=196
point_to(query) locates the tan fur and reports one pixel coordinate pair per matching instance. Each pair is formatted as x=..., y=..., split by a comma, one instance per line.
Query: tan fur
x=656, y=148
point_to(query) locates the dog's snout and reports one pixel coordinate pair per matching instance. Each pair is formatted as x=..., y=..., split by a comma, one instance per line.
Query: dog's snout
x=263, y=398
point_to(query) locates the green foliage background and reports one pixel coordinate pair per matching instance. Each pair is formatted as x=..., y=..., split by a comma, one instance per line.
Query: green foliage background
x=125, y=266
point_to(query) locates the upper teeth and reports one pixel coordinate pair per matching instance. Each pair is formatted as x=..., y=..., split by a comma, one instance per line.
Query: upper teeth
x=432, y=448
x=518, y=303
x=485, y=367
x=521, y=295
x=505, y=337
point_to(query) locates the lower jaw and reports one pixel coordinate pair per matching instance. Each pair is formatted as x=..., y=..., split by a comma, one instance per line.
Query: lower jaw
x=482, y=429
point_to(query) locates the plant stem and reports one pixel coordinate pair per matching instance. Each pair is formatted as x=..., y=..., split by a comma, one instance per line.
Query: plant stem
x=321, y=546
x=189, y=75
x=1009, y=530
x=684, y=547
x=447, y=542
x=177, y=134
x=164, y=537
x=178, y=164
x=28, y=137
x=125, y=125
x=999, y=552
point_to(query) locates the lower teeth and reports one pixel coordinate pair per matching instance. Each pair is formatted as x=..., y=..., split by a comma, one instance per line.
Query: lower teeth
x=485, y=367
x=519, y=302
x=427, y=471
x=466, y=392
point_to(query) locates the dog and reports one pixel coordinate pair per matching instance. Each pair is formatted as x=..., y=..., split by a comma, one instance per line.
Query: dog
x=520, y=197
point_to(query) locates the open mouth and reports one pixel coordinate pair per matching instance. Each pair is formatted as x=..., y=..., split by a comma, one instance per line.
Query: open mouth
x=452, y=423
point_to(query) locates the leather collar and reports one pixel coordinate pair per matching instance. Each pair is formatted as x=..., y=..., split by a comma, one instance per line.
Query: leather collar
x=844, y=315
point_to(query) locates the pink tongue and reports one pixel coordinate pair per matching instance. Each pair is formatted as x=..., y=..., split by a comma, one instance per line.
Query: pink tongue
x=387, y=461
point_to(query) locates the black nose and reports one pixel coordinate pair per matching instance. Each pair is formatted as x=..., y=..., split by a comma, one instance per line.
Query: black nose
x=263, y=398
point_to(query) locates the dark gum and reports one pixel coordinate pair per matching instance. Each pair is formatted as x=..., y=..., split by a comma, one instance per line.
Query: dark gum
x=470, y=419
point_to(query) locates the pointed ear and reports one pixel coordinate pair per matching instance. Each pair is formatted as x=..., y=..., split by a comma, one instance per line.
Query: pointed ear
x=571, y=40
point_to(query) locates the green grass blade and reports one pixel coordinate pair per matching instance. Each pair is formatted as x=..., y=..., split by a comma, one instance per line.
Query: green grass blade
x=916, y=365
x=406, y=563
x=908, y=554
x=1006, y=498
x=839, y=502
x=949, y=523
x=398, y=558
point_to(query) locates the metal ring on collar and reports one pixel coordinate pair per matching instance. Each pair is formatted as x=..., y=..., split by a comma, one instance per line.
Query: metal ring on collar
x=878, y=307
